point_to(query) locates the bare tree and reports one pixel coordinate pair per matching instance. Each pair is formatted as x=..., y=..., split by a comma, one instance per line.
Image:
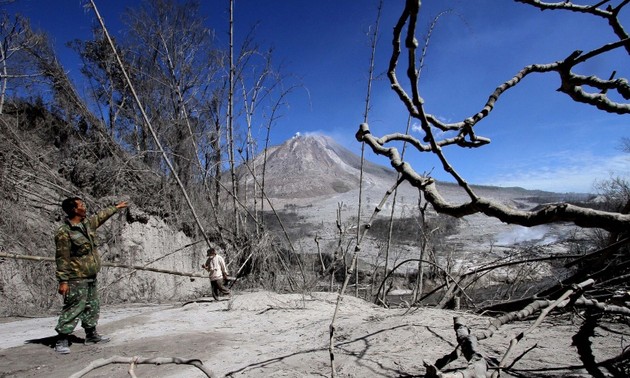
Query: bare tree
x=173, y=52
x=177, y=73
x=108, y=87
x=16, y=38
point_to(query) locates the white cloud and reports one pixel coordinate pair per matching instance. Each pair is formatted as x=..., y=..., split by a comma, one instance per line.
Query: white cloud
x=569, y=173
x=437, y=133
x=416, y=128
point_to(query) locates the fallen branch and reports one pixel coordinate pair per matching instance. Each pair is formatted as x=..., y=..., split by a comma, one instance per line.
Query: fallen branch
x=105, y=263
x=477, y=366
x=467, y=341
x=139, y=360
x=539, y=320
x=532, y=308
x=603, y=307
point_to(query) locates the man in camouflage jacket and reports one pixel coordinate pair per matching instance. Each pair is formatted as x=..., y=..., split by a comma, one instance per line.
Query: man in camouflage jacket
x=78, y=263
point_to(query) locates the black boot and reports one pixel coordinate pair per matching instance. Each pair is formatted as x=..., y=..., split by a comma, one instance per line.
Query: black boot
x=92, y=337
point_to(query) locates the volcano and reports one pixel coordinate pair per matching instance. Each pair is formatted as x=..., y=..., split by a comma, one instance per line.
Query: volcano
x=312, y=166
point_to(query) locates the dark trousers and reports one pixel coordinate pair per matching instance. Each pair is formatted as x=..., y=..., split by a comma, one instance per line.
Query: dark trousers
x=218, y=289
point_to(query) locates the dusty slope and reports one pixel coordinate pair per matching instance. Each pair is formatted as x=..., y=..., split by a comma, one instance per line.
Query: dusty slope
x=272, y=335
x=311, y=179
x=311, y=166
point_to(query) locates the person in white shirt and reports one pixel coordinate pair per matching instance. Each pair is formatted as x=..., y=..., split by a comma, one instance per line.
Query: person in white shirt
x=218, y=273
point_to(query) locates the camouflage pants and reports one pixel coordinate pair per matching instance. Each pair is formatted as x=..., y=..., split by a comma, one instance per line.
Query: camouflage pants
x=81, y=303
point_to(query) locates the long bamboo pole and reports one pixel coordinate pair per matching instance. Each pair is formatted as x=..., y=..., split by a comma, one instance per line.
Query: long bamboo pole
x=105, y=263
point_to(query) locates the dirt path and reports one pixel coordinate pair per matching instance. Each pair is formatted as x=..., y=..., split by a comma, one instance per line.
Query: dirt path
x=264, y=334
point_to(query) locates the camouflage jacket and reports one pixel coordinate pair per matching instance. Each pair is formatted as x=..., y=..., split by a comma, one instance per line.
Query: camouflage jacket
x=76, y=247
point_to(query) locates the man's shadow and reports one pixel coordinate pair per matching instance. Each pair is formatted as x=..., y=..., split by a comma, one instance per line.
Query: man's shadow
x=50, y=341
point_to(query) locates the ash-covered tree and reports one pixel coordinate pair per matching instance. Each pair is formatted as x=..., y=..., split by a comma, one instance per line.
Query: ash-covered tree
x=589, y=90
x=107, y=85
x=174, y=63
x=16, y=64
x=168, y=53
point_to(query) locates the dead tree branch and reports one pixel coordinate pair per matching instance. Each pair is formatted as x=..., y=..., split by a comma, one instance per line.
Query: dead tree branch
x=549, y=213
x=541, y=317
x=467, y=341
x=106, y=263
x=610, y=14
x=132, y=361
x=571, y=84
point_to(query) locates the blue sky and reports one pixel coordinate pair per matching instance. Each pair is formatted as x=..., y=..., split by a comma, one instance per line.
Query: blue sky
x=540, y=138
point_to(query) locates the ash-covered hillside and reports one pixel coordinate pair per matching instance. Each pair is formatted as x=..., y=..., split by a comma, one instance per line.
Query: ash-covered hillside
x=311, y=166
x=313, y=182
x=315, y=165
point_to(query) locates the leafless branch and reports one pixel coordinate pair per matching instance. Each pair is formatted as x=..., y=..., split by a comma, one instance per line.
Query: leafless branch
x=571, y=84
x=132, y=361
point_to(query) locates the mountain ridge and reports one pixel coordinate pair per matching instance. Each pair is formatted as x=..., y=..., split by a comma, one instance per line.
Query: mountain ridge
x=313, y=182
x=315, y=165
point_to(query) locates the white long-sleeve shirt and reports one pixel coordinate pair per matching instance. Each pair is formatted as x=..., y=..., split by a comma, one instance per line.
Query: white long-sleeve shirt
x=216, y=266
